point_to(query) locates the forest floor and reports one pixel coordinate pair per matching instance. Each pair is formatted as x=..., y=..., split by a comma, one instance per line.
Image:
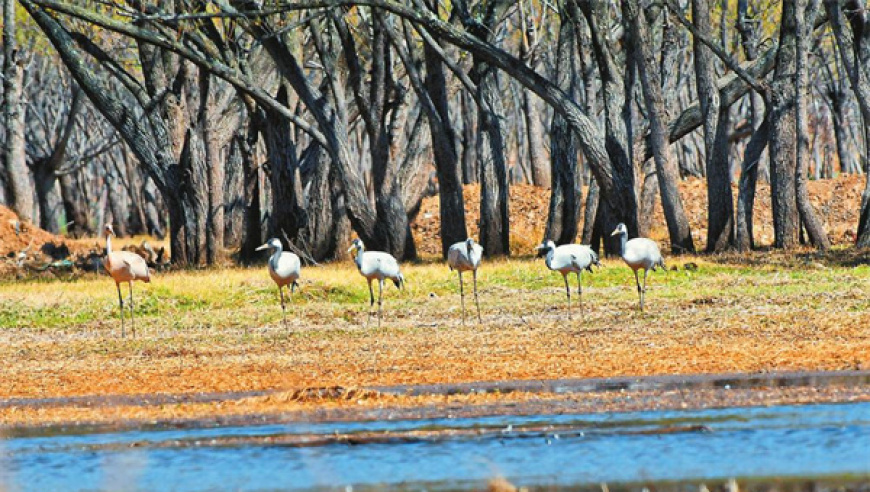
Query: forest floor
x=220, y=330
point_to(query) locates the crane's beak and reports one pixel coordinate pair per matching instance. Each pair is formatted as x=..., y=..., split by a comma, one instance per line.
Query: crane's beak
x=615, y=232
x=261, y=248
x=351, y=249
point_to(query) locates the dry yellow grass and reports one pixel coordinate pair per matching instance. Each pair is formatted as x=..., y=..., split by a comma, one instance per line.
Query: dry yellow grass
x=220, y=330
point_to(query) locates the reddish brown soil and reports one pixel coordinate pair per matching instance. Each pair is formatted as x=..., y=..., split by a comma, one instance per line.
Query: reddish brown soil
x=837, y=200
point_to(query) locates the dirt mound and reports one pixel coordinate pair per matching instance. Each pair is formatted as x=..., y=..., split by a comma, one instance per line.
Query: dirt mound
x=25, y=248
x=837, y=200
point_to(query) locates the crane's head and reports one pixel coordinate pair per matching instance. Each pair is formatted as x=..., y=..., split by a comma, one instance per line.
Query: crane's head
x=620, y=229
x=545, y=247
x=109, y=230
x=356, y=245
x=273, y=243
x=469, y=243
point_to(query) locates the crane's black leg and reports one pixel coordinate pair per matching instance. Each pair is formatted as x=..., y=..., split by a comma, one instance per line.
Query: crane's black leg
x=121, y=307
x=283, y=306
x=380, y=300
x=476, y=300
x=462, y=296
x=132, y=318
x=643, y=292
x=568, y=293
x=580, y=290
x=639, y=292
x=371, y=302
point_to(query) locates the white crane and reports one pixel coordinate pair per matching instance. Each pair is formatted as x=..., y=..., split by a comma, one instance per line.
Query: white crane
x=284, y=268
x=638, y=253
x=124, y=266
x=569, y=258
x=462, y=257
x=376, y=265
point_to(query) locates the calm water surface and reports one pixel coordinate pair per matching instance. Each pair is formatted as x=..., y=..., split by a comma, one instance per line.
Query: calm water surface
x=811, y=441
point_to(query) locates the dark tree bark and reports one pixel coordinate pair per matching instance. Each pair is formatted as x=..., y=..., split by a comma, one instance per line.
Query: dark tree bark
x=14, y=159
x=720, y=204
x=468, y=155
x=615, y=134
x=494, y=214
x=753, y=163
x=452, y=206
x=812, y=224
x=675, y=215
x=783, y=137
x=288, y=213
x=565, y=198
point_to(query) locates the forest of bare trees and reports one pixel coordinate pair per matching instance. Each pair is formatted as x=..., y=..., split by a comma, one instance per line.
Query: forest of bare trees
x=218, y=123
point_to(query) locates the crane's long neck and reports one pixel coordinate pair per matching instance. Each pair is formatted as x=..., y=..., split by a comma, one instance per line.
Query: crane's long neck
x=549, y=258
x=623, y=238
x=108, y=244
x=275, y=257
x=359, y=258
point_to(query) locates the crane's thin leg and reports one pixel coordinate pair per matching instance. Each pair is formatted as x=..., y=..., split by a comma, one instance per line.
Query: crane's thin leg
x=568, y=293
x=132, y=318
x=643, y=292
x=639, y=292
x=476, y=300
x=580, y=290
x=371, y=302
x=461, y=296
x=121, y=307
x=380, y=300
x=283, y=307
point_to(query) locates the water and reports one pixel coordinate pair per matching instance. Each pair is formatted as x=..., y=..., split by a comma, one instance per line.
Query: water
x=811, y=441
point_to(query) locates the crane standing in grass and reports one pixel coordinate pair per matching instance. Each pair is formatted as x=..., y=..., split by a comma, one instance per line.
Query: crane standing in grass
x=124, y=266
x=284, y=268
x=376, y=265
x=462, y=257
x=566, y=259
x=638, y=253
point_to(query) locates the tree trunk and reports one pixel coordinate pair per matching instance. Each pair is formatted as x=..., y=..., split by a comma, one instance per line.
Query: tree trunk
x=494, y=218
x=245, y=142
x=468, y=156
x=746, y=191
x=77, y=209
x=619, y=202
x=452, y=206
x=853, y=43
x=783, y=137
x=565, y=199
x=720, y=204
x=288, y=215
x=675, y=215
x=14, y=159
x=809, y=218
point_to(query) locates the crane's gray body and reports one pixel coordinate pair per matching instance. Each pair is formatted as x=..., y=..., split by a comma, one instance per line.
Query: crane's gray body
x=284, y=268
x=376, y=265
x=569, y=258
x=465, y=256
x=638, y=253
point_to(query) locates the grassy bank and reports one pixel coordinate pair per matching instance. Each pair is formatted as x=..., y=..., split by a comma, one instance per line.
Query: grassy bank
x=221, y=329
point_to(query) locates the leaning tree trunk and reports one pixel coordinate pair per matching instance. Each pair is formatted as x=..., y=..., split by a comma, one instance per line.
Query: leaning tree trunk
x=675, y=215
x=720, y=204
x=565, y=199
